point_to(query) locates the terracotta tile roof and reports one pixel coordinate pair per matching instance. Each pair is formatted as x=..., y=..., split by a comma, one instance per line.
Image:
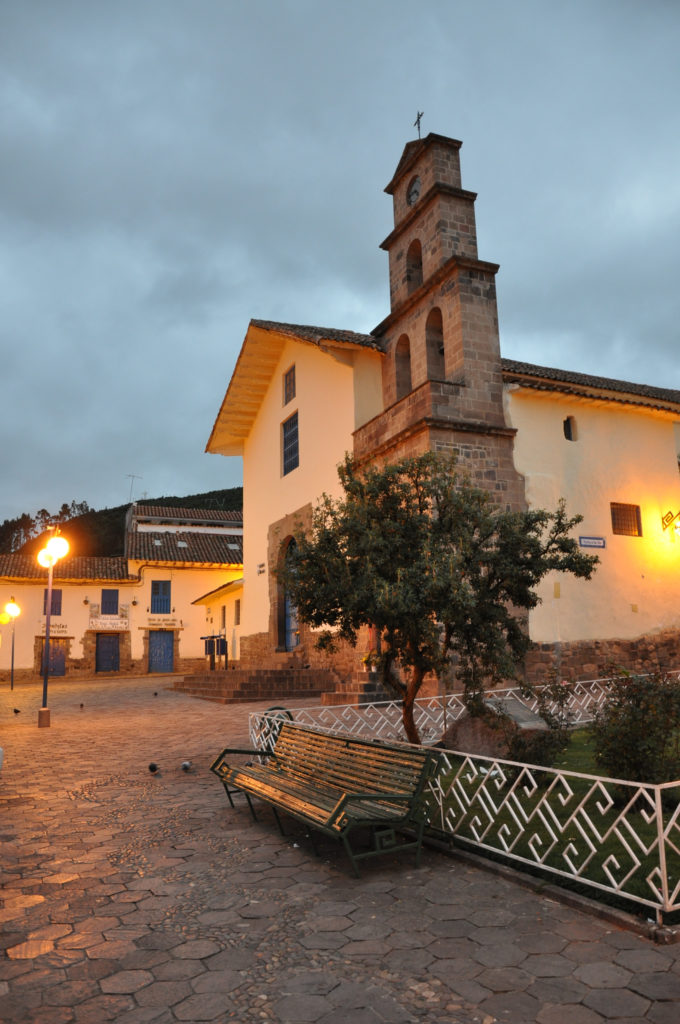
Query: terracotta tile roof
x=185, y=547
x=188, y=515
x=25, y=567
x=550, y=378
x=319, y=334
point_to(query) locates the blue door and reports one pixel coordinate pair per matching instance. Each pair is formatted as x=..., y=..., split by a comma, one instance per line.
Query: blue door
x=161, y=648
x=107, y=655
x=57, y=657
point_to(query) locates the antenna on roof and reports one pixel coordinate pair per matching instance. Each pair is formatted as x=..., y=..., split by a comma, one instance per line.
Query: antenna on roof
x=416, y=123
x=132, y=477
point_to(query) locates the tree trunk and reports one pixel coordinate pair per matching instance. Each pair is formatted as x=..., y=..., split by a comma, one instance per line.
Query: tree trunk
x=414, y=684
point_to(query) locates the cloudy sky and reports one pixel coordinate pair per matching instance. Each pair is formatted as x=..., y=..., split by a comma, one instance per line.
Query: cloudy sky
x=172, y=168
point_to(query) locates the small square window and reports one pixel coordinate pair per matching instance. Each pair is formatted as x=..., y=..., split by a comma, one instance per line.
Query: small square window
x=626, y=519
x=289, y=385
x=290, y=446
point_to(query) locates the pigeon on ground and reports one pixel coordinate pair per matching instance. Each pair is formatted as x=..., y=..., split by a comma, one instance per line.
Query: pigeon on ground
x=17, y=711
x=153, y=767
x=186, y=765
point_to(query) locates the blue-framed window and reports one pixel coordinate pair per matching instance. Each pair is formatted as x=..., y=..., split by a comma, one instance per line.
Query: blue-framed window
x=290, y=445
x=160, y=597
x=109, y=602
x=56, y=602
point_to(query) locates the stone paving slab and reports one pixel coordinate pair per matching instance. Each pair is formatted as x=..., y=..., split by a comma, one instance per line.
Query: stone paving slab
x=144, y=898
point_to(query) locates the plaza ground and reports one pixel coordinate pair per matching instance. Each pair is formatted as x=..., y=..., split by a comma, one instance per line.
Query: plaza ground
x=144, y=898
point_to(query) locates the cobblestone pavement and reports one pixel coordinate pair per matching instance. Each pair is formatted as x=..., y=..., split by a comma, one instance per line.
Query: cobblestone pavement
x=135, y=898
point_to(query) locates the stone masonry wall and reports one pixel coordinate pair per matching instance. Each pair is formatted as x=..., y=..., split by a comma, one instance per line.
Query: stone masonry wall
x=593, y=659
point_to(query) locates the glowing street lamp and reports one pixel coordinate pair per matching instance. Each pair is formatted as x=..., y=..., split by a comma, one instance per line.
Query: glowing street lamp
x=56, y=548
x=12, y=609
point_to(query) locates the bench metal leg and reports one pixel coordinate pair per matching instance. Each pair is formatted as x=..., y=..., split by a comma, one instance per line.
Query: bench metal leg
x=246, y=795
x=250, y=804
x=278, y=820
x=350, y=854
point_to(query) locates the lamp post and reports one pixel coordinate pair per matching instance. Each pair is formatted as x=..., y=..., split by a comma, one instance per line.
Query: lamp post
x=56, y=548
x=12, y=609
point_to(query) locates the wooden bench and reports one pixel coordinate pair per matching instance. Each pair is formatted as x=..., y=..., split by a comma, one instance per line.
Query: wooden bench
x=338, y=785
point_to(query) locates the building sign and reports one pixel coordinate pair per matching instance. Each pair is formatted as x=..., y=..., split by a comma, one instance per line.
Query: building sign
x=162, y=622
x=108, y=622
x=592, y=542
x=56, y=628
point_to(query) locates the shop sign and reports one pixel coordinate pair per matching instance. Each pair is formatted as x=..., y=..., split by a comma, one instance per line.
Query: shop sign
x=108, y=622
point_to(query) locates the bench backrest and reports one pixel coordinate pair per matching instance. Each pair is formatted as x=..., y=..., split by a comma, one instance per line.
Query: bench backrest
x=350, y=764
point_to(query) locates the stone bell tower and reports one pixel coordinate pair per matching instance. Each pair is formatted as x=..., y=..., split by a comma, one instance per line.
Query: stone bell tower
x=442, y=386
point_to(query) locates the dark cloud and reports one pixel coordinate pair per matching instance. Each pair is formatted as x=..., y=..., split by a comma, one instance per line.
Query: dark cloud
x=172, y=168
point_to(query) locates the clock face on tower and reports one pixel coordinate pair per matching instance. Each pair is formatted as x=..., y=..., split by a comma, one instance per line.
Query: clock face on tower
x=413, y=191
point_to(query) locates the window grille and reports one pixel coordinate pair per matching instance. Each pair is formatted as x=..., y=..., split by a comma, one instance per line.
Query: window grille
x=626, y=519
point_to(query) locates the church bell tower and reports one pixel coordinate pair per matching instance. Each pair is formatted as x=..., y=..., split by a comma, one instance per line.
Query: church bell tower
x=442, y=385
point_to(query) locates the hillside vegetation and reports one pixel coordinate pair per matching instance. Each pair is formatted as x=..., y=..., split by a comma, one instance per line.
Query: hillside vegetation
x=101, y=532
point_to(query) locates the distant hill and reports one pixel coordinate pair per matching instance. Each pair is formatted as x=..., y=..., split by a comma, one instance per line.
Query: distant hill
x=101, y=533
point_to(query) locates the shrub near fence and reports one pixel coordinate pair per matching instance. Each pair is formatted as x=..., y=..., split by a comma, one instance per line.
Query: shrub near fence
x=610, y=835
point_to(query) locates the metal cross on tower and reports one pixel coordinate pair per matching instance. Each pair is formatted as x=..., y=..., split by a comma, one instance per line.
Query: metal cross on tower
x=416, y=123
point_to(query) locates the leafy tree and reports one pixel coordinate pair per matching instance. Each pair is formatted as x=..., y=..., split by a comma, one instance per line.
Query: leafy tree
x=416, y=551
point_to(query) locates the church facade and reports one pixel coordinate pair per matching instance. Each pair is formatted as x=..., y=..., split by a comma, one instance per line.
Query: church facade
x=431, y=376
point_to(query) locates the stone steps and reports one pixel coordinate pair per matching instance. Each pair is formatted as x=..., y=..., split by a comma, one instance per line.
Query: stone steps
x=362, y=689
x=244, y=685
x=281, y=686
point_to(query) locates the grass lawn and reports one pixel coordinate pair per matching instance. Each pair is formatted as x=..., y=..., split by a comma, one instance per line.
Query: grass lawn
x=579, y=755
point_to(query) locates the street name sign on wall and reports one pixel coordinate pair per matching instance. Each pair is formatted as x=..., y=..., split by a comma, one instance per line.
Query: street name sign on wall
x=592, y=542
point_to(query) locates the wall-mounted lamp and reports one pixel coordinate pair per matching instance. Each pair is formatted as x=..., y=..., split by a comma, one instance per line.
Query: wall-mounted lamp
x=86, y=600
x=671, y=520
x=134, y=601
x=260, y=568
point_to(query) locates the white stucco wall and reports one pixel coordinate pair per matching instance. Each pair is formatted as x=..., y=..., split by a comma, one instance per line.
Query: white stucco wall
x=220, y=618
x=72, y=622
x=624, y=454
x=334, y=392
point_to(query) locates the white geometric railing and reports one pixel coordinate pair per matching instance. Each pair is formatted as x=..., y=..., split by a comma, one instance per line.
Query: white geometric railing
x=432, y=715
x=612, y=835
x=617, y=836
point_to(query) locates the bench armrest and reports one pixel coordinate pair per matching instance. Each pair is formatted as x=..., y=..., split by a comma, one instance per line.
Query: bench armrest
x=219, y=761
x=352, y=798
x=242, y=750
